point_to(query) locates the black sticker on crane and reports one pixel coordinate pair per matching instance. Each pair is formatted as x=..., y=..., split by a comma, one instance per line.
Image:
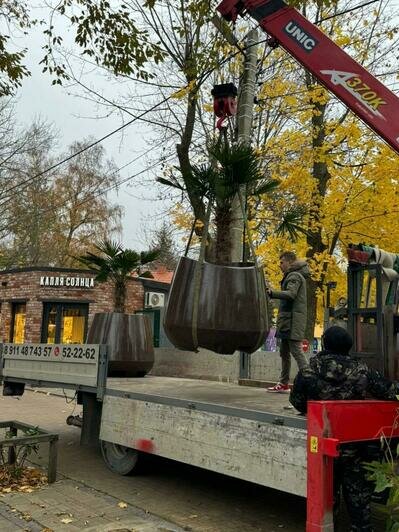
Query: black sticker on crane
x=302, y=37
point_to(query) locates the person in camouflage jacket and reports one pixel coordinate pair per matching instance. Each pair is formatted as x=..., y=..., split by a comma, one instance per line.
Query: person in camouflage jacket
x=333, y=374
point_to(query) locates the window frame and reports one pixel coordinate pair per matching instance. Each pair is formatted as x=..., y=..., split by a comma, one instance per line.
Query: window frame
x=60, y=306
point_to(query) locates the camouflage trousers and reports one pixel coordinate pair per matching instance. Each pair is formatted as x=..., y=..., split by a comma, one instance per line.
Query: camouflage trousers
x=350, y=478
x=288, y=348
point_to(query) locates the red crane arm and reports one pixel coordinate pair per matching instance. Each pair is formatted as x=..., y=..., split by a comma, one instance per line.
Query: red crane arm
x=359, y=90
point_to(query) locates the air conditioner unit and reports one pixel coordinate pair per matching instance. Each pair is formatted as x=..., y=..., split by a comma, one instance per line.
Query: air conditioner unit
x=154, y=299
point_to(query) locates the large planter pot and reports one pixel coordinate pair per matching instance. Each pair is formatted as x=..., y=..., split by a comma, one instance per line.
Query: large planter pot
x=129, y=341
x=231, y=312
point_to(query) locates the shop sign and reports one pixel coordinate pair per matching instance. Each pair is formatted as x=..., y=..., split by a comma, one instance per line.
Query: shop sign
x=68, y=282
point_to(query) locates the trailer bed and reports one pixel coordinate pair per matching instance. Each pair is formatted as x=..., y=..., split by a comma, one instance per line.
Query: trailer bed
x=211, y=396
x=239, y=431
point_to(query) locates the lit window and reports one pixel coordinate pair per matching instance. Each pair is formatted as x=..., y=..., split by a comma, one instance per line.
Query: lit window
x=18, y=323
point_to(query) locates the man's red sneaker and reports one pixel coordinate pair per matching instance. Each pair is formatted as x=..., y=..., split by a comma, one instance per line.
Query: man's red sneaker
x=279, y=388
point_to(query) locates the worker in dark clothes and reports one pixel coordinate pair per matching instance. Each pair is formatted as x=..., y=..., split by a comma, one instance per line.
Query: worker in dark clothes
x=333, y=374
x=292, y=314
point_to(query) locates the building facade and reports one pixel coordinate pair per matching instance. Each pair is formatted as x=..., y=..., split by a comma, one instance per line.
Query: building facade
x=56, y=305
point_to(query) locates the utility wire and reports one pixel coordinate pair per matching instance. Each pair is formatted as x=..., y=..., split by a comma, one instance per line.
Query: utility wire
x=114, y=185
x=349, y=10
x=95, y=194
x=26, y=182
x=200, y=79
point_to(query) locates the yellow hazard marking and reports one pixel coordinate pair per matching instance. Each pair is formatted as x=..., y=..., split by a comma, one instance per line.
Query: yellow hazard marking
x=314, y=444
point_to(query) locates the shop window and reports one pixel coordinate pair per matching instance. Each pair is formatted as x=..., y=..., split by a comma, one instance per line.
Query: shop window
x=18, y=320
x=64, y=323
x=72, y=326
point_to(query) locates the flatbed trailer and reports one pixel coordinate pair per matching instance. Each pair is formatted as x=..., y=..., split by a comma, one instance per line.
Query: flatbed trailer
x=227, y=428
x=238, y=431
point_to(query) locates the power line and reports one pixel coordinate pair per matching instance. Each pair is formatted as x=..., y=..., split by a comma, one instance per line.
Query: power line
x=94, y=195
x=200, y=79
x=22, y=185
x=79, y=152
x=349, y=10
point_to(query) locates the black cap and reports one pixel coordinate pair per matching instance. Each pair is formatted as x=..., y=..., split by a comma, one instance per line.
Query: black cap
x=337, y=340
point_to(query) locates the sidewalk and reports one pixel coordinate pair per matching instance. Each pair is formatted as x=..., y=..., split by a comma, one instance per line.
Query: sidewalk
x=70, y=505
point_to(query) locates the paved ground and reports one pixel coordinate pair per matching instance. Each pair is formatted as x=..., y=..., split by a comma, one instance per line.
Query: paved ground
x=70, y=505
x=167, y=496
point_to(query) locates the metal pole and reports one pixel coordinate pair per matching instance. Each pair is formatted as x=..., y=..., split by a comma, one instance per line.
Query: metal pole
x=245, y=111
x=244, y=129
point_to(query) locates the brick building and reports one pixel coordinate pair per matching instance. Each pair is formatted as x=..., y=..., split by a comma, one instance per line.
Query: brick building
x=56, y=305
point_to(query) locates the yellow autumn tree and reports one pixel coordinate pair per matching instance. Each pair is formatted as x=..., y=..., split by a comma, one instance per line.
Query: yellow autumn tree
x=329, y=163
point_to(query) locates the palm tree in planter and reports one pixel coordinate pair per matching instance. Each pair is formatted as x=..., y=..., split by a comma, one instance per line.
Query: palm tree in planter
x=128, y=336
x=219, y=305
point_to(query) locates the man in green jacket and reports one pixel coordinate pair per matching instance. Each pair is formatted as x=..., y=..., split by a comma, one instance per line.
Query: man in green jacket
x=292, y=315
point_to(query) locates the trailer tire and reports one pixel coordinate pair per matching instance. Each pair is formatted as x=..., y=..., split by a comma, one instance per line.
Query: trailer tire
x=119, y=459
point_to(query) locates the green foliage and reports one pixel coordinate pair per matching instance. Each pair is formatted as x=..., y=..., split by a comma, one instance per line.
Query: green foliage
x=232, y=168
x=108, y=35
x=14, y=15
x=385, y=476
x=296, y=3
x=163, y=241
x=291, y=223
x=112, y=262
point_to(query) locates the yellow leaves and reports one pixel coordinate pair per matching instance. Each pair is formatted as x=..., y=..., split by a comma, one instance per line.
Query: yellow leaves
x=182, y=218
x=290, y=100
x=184, y=91
x=343, y=40
x=208, y=107
x=318, y=264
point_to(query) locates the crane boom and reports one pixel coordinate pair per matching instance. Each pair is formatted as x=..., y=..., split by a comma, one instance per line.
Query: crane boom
x=359, y=90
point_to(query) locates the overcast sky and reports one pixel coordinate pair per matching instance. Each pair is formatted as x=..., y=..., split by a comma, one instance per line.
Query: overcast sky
x=75, y=119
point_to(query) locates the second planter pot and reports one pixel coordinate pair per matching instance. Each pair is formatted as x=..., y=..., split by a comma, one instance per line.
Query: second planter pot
x=129, y=341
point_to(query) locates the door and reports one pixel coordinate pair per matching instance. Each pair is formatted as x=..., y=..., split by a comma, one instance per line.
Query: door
x=64, y=323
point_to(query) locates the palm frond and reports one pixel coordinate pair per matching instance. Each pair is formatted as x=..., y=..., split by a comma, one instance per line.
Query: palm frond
x=200, y=181
x=240, y=164
x=109, y=248
x=267, y=186
x=149, y=256
x=169, y=183
x=291, y=223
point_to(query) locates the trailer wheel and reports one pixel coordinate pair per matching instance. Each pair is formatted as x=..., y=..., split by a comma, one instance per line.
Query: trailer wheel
x=119, y=459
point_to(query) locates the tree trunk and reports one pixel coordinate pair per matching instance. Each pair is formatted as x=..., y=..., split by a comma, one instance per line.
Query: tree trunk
x=314, y=236
x=183, y=154
x=119, y=296
x=223, y=235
